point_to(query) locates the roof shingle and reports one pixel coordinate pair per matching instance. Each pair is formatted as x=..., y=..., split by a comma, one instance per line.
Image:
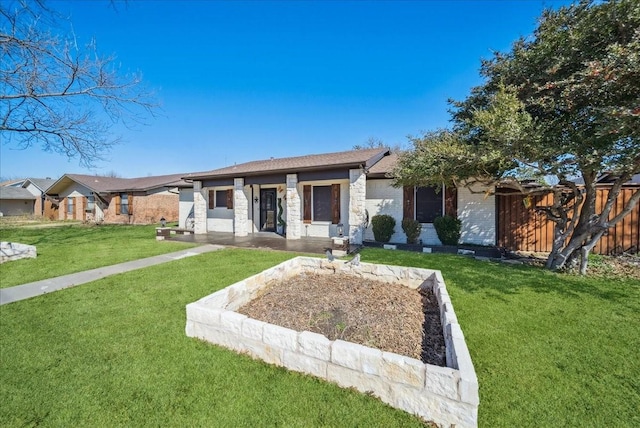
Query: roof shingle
x=350, y=158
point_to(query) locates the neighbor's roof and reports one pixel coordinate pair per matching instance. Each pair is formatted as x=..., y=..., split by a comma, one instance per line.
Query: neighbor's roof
x=349, y=159
x=101, y=184
x=9, y=192
x=41, y=183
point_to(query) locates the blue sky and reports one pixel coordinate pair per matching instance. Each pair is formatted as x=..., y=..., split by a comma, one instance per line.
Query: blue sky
x=241, y=81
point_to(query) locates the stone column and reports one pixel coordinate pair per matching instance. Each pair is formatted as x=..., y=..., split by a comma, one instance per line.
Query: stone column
x=357, y=208
x=199, y=209
x=293, y=207
x=240, y=208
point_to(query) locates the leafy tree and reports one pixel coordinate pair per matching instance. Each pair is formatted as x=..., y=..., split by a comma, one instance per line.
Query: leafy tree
x=560, y=109
x=56, y=93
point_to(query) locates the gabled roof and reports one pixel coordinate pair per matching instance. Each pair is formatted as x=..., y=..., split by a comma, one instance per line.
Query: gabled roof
x=19, y=193
x=100, y=184
x=41, y=183
x=17, y=182
x=384, y=167
x=349, y=159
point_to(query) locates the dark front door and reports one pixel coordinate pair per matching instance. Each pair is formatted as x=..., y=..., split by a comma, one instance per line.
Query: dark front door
x=268, y=210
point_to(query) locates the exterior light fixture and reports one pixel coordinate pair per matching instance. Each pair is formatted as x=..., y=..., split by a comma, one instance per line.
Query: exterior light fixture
x=340, y=229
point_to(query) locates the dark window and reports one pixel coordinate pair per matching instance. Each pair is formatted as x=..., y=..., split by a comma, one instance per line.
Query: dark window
x=124, y=203
x=221, y=199
x=428, y=204
x=321, y=203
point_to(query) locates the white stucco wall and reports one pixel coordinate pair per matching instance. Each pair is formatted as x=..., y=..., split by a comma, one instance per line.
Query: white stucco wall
x=383, y=198
x=185, y=206
x=219, y=219
x=477, y=211
x=324, y=229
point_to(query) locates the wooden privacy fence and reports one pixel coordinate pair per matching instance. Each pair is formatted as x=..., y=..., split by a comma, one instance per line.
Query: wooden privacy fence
x=524, y=229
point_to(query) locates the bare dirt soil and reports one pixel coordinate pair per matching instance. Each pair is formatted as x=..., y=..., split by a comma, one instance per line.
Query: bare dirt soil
x=389, y=317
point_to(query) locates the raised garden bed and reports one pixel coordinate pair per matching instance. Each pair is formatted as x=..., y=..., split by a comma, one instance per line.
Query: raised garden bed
x=445, y=395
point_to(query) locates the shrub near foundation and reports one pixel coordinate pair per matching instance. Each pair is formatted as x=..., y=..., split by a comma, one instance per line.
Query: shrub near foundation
x=448, y=229
x=383, y=227
x=412, y=229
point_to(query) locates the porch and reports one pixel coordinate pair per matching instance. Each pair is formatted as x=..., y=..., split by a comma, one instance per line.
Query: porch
x=259, y=240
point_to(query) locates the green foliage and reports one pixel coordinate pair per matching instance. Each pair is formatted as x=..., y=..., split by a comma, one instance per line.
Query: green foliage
x=562, y=104
x=412, y=229
x=281, y=221
x=383, y=227
x=448, y=229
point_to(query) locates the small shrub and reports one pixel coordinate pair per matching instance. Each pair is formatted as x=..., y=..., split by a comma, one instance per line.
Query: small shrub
x=448, y=229
x=383, y=227
x=412, y=229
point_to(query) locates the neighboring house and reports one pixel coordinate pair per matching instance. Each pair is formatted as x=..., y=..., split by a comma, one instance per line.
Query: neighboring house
x=99, y=199
x=320, y=193
x=16, y=201
x=36, y=187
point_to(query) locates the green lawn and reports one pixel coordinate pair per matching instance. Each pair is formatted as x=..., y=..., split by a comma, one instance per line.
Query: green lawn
x=549, y=350
x=75, y=247
x=114, y=353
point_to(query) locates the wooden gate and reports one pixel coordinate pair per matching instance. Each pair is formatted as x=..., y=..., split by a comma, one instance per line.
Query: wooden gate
x=522, y=228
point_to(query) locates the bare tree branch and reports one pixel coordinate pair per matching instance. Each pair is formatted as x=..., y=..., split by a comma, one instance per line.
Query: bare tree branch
x=60, y=96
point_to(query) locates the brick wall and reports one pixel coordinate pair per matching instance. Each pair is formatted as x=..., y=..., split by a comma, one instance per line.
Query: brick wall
x=147, y=209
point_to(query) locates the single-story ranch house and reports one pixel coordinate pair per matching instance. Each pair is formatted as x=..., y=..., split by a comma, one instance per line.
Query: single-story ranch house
x=24, y=197
x=99, y=199
x=321, y=195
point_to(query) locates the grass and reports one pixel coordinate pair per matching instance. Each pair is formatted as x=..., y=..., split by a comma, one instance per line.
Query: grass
x=71, y=248
x=549, y=349
x=114, y=353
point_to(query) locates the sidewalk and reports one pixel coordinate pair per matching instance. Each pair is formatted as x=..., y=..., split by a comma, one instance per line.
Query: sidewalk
x=32, y=289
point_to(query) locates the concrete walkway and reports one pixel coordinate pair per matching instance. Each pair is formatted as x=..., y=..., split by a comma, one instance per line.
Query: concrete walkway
x=32, y=289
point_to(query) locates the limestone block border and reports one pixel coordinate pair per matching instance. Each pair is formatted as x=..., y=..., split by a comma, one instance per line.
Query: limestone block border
x=444, y=395
x=10, y=251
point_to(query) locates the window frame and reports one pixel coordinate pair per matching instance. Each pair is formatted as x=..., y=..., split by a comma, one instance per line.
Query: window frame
x=441, y=197
x=91, y=203
x=124, y=204
x=221, y=197
x=328, y=209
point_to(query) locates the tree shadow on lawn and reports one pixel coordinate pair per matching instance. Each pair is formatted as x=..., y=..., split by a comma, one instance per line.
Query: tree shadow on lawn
x=496, y=279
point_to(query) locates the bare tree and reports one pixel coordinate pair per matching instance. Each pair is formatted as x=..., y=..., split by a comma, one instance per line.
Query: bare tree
x=57, y=94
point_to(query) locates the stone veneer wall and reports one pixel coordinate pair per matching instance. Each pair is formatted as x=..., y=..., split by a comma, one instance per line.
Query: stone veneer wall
x=240, y=208
x=10, y=251
x=294, y=228
x=199, y=209
x=444, y=395
x=357, y=204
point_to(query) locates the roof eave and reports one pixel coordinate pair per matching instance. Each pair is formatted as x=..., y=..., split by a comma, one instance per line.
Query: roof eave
x=277, y=171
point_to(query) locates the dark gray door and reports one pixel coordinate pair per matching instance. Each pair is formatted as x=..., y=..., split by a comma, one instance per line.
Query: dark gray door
x=268, y=210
